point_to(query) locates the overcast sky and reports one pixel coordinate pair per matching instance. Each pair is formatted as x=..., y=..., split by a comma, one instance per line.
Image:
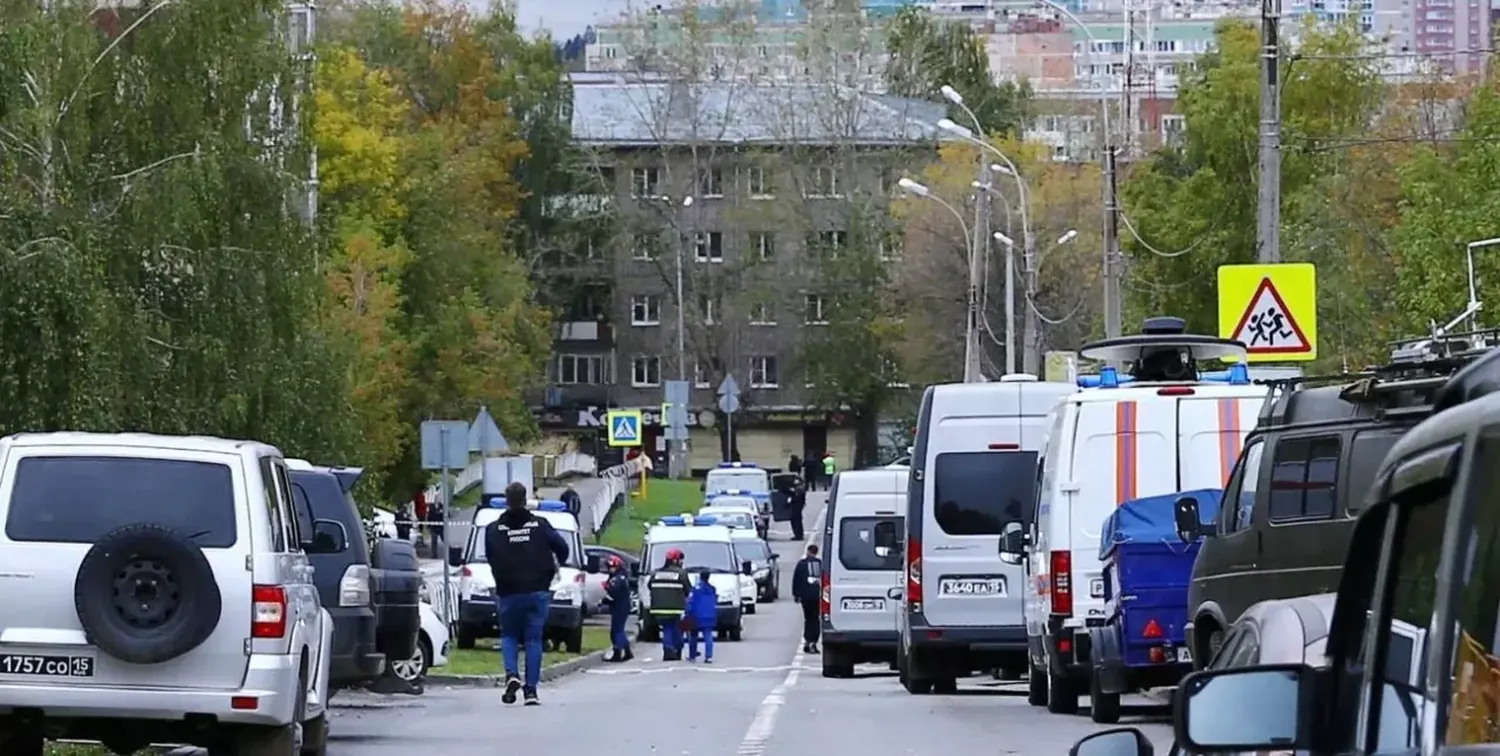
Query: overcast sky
x=565, y=17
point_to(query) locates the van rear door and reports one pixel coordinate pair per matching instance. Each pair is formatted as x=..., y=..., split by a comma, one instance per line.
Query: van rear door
x=1211, y=432
x=975, y=494
x=864, y=585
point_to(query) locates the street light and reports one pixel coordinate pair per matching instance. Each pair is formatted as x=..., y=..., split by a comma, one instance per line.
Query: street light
x=676, y=458
x=913, y=187
x=952, y=95
x=1003, y=239
x=1067, y=237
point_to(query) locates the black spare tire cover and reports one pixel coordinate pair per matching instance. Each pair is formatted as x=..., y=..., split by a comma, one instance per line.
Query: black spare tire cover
x=146, y=594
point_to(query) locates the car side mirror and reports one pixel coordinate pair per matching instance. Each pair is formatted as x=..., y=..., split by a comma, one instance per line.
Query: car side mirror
x=1124, y=741
x=592, y=565
x=1185, y=514
x=328, y=537
x=747, y=567
x=1013, y=541
x=635, y=570
x=775, y=556
x=1212, y=718
x=456, y=556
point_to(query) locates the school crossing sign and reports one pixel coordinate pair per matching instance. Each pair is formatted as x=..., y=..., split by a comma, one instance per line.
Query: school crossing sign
x=1271, y=309
x=623, y=427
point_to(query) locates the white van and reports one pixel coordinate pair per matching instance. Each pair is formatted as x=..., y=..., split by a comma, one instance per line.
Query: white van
x=704, y=546
x=862, y=574
x=973, y=472
x=1125, y=437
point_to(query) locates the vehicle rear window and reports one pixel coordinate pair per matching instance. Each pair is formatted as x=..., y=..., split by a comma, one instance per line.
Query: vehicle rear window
x=80, y=499
x=978, y=493
x=1365, y=458
x=857, y=544
x=1303, y=478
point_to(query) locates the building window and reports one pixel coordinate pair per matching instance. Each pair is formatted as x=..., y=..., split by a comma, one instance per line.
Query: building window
x=300, y=29
x=644, y=247
x=1172, y=128
x=709, y=306
x=756, y=184
x=645, y=182
x=645, y=371
x=814, y=312
x=830, y=242
x=704, y=373
x=709, y=246
x=763, y=245
x=890, y=247
x=645, y=310
x=710, y=182
x=825, y=182
x=763, y=372
x=574, y=369
x=762, y=314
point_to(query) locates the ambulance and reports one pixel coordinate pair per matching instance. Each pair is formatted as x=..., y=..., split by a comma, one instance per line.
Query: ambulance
x=704, y=545
x=1154, y=426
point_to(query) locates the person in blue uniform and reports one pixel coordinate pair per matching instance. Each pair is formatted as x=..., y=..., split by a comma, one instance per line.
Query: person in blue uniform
x=702, y=615
x=617, y=596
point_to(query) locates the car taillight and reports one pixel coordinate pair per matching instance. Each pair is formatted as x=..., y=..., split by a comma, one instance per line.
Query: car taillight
x=268, y=613
x=1151, y=630
x=578, y=578
x=914, y=574
x=825, y=597
x=466, y=572
x=1062, y=582
x=354, y=586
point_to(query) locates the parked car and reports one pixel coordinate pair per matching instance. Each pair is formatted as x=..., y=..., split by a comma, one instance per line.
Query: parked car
x=594, y=581
x=166, y=582
x=374, y=610
x=431, y=652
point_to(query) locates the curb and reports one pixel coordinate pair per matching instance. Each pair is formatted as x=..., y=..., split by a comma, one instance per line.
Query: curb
x=550, y=673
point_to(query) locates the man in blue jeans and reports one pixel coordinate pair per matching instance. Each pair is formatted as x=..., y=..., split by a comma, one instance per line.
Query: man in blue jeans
x=523, y=551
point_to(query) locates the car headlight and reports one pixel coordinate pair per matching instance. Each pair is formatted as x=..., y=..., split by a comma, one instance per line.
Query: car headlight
x=726, y=600
x=481, y=591
x=565, y=593
x=762, y=573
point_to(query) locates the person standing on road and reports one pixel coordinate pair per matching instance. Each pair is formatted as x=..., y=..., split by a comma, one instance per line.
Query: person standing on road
x=830, y=468
x=807, y=589
x=523, y=551
x=703, y=617
x=572, y=501
x=794, y=465
x=617, y=595
x=669, y=588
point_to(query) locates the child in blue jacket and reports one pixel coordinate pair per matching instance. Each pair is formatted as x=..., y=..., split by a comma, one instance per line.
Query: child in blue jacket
x=702, y=616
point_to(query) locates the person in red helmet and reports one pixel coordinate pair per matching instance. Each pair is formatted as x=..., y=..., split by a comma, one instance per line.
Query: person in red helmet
x=617, y=597
x=668, y=588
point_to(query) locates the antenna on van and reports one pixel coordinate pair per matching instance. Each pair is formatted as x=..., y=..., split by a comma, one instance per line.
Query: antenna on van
x=1164, y=351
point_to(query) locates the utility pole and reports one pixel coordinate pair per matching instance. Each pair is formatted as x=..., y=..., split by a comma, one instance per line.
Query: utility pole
x=1112, y=259
x=972, y=346
x=1268, y=225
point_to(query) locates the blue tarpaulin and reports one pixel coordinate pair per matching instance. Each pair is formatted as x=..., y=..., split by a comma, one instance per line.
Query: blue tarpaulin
x=1153, y=519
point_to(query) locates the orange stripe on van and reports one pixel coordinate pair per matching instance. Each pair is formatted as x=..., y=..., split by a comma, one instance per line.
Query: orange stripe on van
x=1230, y=439
x=1125, y=452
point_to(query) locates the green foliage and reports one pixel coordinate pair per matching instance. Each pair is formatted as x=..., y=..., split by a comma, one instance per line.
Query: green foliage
x=927, y=53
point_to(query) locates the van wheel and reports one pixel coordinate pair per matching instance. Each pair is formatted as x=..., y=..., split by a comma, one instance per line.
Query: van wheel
x=315, y=736
x=466, y=636
x=735, y=633
x=1036, y=686
x=750, y=608
x=917, y=686
x=1104, y=708
x=574, y=642
x=650, y=632
x=945, y=686
x=286, y=740
x=1061, y=696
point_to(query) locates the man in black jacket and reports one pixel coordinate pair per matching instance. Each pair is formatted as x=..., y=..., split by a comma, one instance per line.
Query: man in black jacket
x=523, y=552
x=807, y=589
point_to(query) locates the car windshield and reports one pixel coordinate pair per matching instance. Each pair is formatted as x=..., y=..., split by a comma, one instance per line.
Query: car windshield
x=754, y=481
x=756, y=551
x=732, y=518
x=80, y=499
x=714, y=556
x=735, y=502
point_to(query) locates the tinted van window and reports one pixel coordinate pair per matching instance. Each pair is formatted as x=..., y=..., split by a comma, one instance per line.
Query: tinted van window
x=978, y=493
x=1303, y=477
x=80, y=499
x=857, y=544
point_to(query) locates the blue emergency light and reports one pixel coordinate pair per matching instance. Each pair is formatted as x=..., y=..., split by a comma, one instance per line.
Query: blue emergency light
x=705, y=520
x=673, y=520
x=551, y=505
x=1238, y=374
x=727, y=465
x=732, y=492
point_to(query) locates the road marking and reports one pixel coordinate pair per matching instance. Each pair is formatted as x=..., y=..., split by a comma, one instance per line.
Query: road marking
x=764, y=723
x=694, y=668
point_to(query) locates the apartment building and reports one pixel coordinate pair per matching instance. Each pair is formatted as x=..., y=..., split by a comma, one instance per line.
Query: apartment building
x=739, y=184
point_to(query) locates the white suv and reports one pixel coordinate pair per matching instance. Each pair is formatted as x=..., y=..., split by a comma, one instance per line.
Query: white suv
x=155, y=590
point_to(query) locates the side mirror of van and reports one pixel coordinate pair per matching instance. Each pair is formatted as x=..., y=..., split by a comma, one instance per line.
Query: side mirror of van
x=456, y=556
x=1013, y=541
x=1185, y=515
x=747, y=567
x=635, y=570
x=328, y=537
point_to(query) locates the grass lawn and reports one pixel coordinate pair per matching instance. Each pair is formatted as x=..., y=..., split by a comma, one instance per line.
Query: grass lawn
x=484, y=658
x=627, y=528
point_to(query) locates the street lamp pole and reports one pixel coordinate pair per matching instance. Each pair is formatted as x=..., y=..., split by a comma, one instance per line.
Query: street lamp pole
x=676, y=457
x=1473, y=286
x=971, y=345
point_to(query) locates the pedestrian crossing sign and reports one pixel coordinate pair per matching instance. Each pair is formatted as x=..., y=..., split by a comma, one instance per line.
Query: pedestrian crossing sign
x=1271, y=309
x=624, y=427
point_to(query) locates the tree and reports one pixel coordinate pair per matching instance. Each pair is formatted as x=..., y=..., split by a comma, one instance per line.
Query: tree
x=925, y=54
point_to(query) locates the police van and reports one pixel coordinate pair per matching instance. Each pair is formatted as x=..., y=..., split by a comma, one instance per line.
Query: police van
x=747, y=548
x=476, y=584
x=1156, y=426
x=743, y=478
x=704, y=545
x=758, y=508
x=973, y=472
x=861, y=591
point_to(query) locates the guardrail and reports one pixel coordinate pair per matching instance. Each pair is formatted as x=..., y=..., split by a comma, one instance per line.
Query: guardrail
x=544, y=467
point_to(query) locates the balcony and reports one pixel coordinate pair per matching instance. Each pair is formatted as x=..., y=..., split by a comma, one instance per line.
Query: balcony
x=579, y=206
x=585, y=333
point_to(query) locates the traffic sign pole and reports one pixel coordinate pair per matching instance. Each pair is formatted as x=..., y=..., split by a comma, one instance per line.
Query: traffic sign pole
x=441, y=534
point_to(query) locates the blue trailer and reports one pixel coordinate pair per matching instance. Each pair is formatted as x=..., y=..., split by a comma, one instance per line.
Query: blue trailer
x=1147, y=569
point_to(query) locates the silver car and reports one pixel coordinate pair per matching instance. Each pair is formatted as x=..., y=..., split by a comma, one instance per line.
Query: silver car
x=157, y=591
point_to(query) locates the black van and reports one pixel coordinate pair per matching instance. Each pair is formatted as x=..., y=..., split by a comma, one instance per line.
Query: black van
x=1290, y=503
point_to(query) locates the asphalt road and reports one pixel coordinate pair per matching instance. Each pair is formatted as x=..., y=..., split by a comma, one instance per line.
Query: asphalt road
x=761, y=696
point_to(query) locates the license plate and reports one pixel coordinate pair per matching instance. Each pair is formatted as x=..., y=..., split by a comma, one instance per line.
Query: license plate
x=994, y=586
x=862, y=605
x=1096, y=588
x=1183, y=655
x=46, y=665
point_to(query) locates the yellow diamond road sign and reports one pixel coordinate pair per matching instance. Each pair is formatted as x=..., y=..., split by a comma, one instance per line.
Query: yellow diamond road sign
x=1272, y=309
x=624, y=427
